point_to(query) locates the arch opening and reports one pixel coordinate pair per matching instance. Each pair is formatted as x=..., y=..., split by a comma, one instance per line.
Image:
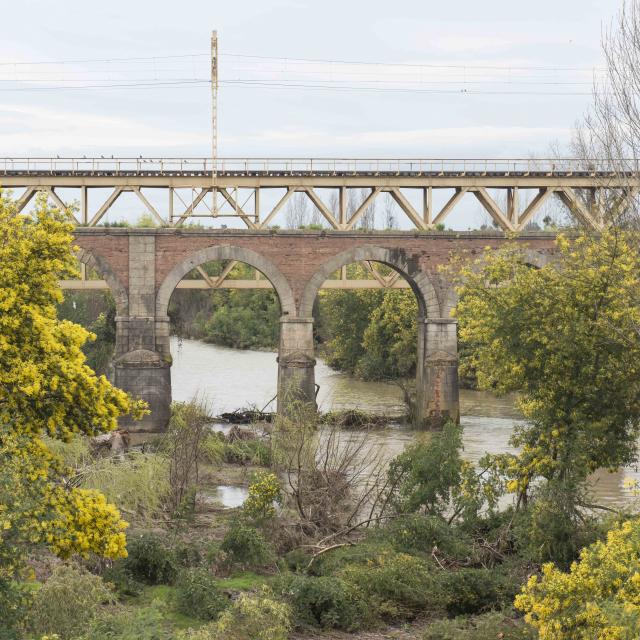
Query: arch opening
x=370, y=332
x=223, y=328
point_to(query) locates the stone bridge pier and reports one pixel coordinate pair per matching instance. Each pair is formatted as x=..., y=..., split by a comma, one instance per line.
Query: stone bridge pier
x=142, y=267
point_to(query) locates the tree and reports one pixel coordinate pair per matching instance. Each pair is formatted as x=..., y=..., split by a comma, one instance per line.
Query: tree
x=389, y=341
x=47, y=389
x=597, y=598
x=609, y=137
x=566, y=338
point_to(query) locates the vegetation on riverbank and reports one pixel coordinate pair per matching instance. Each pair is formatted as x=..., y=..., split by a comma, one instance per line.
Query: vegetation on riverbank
x=332, y=536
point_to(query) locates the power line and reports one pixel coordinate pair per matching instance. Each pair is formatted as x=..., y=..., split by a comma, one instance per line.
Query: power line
x=291, y=85
x=504, y=67
x=415, y=65
x=283, y=81
x=91, y=60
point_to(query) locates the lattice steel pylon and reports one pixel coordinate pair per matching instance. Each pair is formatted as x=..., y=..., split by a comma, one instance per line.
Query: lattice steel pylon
x=214, y=98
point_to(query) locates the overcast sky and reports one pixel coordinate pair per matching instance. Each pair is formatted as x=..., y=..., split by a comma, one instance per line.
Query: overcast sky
x=453, y=79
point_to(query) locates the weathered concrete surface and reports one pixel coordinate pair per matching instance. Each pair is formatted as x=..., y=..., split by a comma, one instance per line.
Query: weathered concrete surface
x=143, y=267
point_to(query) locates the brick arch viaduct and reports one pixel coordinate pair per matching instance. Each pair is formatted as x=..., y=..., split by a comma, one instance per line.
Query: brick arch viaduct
x=142, y=267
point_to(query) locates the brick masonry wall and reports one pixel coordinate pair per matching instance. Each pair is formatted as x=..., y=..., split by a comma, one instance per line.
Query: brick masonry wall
x=298, y=255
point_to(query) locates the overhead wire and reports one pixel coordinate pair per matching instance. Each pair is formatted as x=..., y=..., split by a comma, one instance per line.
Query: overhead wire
x=297, y=78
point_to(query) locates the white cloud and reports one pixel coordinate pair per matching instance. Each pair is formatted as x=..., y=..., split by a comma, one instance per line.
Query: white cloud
x=425, y=139
x=27, y=128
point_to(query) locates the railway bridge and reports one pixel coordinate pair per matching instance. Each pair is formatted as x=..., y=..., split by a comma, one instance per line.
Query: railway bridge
x=142, y=267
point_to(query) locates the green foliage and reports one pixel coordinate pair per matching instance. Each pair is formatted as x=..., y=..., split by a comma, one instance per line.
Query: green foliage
x=396, y=585
x=138, y=483
x=413, y=533
x=74, y=453
x=468, y=591
x=187, y=431
x=253, y=452
x=331, y=564
x=489, y=626
x=212, y=448
x=553, y=526
x=246, y=546
x=140, y=623
x=264, y=492
x=425, y=473
x=259, y=617
x=325, y=602
x=430, y=477
x=344, y=348
x=390, y=339
x=151, y=560
x=238, y=318
x=565, y=337
x=95, y=311
x=67, y=602
x=15, y=601
x=120, y=579
x=46, y=389
x=198, y=595
x=599, y=597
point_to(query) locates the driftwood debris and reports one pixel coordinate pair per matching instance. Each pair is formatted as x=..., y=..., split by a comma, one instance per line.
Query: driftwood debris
x=246, y=416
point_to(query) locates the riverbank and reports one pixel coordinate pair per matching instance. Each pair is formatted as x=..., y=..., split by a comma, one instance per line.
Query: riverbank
x=226, y=379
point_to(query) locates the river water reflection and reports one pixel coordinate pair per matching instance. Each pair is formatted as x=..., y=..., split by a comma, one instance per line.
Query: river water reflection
x=228, y=379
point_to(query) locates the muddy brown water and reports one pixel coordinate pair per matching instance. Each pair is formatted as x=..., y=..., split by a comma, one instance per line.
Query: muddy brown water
x=228, y=379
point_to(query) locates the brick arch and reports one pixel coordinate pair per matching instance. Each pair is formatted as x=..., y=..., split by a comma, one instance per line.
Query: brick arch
x=419, y=281
x=100, y=265
x=226, y=252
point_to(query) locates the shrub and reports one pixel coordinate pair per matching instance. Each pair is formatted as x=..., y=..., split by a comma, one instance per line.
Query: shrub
x=396, y=585
x=146, y=623
x=150, y=559
x=187, y=430
x=259, y=617
x=15, y=600
x=470, y=591
x=138, y=484
x=122, y=580
x=67, y=602
x=74, y=453
x=358, y=554
x=212, y=448
x=264, y=491
x=325, y=602
x=596, y=598
x=255, y=452
x=246, y=546
x=190, y=553
x=415, y=533
x=198, y=595
x=490, y=625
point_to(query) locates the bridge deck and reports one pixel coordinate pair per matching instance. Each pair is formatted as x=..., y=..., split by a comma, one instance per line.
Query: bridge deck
x=216, y=187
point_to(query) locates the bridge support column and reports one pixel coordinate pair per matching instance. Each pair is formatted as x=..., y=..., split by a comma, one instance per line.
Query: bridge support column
x=142, y=365
x=142, y=372
x=296, y=363
x=437, y=373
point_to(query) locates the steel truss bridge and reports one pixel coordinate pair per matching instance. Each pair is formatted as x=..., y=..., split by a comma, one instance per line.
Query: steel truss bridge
x=235, y=188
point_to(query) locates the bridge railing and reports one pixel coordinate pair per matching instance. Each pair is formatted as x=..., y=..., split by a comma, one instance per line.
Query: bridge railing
x=162, y=166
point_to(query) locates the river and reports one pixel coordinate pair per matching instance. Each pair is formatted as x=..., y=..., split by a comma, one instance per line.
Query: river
x=228, y=379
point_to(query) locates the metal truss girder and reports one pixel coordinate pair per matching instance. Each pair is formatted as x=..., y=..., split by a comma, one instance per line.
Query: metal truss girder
x=448, y=207
x=360, y=211
x=493, y=209
x=322, y=207
x=569, y=197
x=106, y=206
x=101, y=285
